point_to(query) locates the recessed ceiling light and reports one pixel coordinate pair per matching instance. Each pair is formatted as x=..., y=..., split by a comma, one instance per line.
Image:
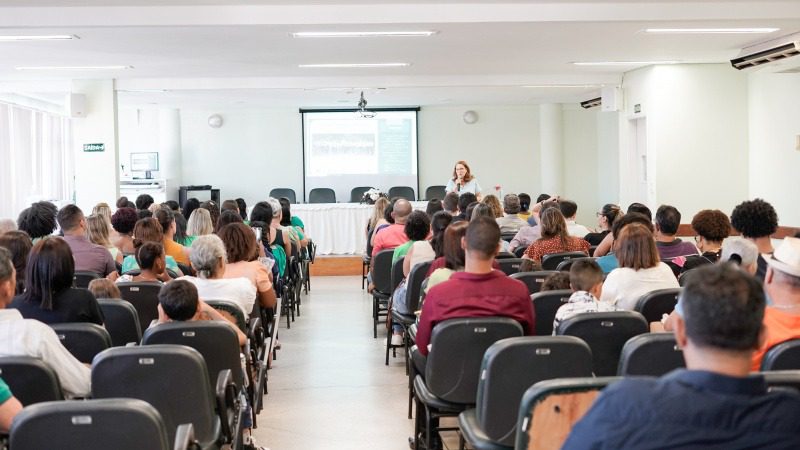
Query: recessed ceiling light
x=73, y=67
x=351, y=65
x=547, y=86
x=337, y=34
x=624, y=63
x=711, y=30
x=143, y=91
x=52, y=37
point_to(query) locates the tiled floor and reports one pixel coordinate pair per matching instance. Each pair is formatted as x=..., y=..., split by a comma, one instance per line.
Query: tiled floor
x=329, y=388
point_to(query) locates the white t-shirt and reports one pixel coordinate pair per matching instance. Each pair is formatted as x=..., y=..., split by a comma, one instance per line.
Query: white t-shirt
x=238, y=290
x=423, y=252
x=577, y=230
x=624, y=286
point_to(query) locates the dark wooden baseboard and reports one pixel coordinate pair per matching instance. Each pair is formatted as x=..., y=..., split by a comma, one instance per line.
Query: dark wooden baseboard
x=336, y=266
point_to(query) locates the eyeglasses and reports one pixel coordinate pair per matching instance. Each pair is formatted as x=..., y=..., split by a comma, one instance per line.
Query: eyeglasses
x=697, y=239
x=598, y=214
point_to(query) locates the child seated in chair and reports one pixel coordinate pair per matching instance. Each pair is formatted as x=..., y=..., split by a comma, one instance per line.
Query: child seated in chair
x=586, y=282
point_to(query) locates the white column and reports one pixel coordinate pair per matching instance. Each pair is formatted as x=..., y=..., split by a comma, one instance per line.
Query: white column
x=169, y=150
x=96, y=173
x=551, y=167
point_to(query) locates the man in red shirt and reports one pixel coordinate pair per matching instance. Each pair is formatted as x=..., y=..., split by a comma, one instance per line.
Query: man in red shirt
x=394, y=235
x=479, y=291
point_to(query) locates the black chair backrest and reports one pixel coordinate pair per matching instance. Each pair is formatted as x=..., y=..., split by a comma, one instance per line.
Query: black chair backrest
x=784, y=356
x=216, y=341
x=397, y=273
x=119, y=423
x=509, y=266
x=505, y=255
x=172, y=378
x=457, y=347
x=82, y=278
x=508, y=236
x=606, y=333
x=83, y=340
x=232, y=309
x=30, y=379
x=545, y=306
x=656, y=303
x=436, y=191
x=533, y=280
x=406, y=192
x=284, y=192
x=558, y=404
x=652, y=354
x=511, y=366
x=519, y=251
x=551, y=261
x=566, y=265
x=782, y=379
x=143, y=296
x=382, y=271
x=322, y=195
x=357, y=193
x=417, y=275
x=121, y=321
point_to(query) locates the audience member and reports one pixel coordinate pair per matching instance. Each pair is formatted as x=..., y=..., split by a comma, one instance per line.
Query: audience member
x=287, y=223
x=609, y=261
x=715, y=402
x=9, y=407
x=416, y=228
x=494, y=203
x=286, y=207
x=20, y=245
x=88, y=256
x=434, y=206
x=480, y=210
x=555, y=238
x=283, y=236
x=227, y=217
x=272, y=241
x=393, y=235
x=147, y=230
x=570, y=209
x=104, y=288
x=152, y=263
x=668, y=219
x=39, y=220
x=242, y=205
x=586, y=282
x=741, y=252
x=757, y=221
x=209, y=260
x=423, y=250
x=213, y=210
x=241, y=250
x=782, y=285
x=541, y=201
x=556, y=282
x=452, y=259
x=376, y=220
x=470, y=208
x=199, y=224
x=123, y=221
x=450, y=203
x=122, y=202
x=229, y=205
x=640, y=271
x=606, y=217
x=180, y=229
x=712, y=227
x=173, y=206
x=511, y=222
x=27, y=337
x=49, y=296
x=479, y=291
x=144, y=214
x=144, y=201
x=98, y=233
x=524, y=207
x=102, y=209
x=528, y=235
x=641, y=209
x=605, y=246
x=189, y=206
x=439, y=224
x=7, y=225
x=464, y=200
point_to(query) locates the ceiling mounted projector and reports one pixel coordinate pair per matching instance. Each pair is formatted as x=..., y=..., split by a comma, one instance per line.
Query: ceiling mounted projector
x=362, y=108
x=770, y=51
x=593, y=103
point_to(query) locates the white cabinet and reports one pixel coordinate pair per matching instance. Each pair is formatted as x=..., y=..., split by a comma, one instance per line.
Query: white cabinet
x=132, y=188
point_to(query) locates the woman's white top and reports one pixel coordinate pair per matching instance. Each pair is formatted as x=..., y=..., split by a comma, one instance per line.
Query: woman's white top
x=423, y=252
x=237, y=290
x=470, y=186
x=624, y=286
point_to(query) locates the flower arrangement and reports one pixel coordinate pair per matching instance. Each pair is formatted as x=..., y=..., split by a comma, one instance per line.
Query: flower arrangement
x=371, y=196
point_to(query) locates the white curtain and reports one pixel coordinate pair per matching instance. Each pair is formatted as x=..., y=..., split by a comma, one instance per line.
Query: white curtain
x=35, y=158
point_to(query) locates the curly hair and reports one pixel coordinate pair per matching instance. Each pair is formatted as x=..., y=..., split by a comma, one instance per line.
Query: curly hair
x=240, y=242
x=39, y=220
x=712, y=224
x=417, y=226
x=754, y=218
x=124, y=220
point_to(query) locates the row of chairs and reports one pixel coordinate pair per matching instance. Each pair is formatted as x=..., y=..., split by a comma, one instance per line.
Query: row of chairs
x=328, y=195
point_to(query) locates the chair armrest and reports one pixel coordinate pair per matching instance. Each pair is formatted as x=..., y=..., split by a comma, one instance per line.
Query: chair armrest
x=184, y=437
x=227, y=400
x=256, y=331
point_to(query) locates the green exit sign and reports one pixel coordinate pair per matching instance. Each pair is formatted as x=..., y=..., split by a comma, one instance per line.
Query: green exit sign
x=94, y=147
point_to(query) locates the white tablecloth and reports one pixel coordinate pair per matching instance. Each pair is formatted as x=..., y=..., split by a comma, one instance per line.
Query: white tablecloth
x=338, y=228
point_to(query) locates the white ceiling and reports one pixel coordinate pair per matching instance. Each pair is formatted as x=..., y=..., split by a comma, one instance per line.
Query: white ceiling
x=243, y=55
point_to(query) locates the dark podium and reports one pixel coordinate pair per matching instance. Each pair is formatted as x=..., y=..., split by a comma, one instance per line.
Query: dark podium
x=183, y=193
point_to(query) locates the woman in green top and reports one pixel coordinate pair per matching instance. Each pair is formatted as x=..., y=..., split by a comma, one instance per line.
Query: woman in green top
x=289, y=218
x=9, y=406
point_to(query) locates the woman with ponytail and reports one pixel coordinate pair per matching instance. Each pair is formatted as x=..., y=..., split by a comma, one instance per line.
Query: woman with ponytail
x=147, y=230
x=606, y=217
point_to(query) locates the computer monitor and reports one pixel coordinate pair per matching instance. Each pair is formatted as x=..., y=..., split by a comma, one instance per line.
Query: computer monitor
x=144, y=162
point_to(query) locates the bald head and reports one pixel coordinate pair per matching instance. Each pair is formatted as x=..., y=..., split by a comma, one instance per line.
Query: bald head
x=402, y=209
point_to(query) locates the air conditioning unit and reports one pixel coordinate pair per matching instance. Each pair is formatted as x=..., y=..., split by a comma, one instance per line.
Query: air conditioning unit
x=770, y=51
x=593, y=103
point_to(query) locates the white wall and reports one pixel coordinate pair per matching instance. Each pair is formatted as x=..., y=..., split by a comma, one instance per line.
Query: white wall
x=774, y=148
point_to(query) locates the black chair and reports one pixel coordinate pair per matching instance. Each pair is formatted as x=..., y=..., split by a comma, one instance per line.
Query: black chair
x=533, y=280
x=558, y=405
x=504, y=255
x=121, y=321
x=509, y=266
x=436, y=191
x=655, y=304
x=119, y=423
x=284, y=192
x=652, y=354
x=322, y=195
x=552, y=260
x=413, y=290
x=566, y=265
x=143, y=295
x=782, y=379
x=382, y=280
x=174, y=380
x=783, y=356
x=452, y=370
x=405, y=192
x=230, y=308
x=508, y=236
x=365, y=262
x=30, y=379
x=83, y=340
x=357, y=193
x=606, y=333
x=519, y=251
x=509, y=368
x=545, y=306
x=82, y=278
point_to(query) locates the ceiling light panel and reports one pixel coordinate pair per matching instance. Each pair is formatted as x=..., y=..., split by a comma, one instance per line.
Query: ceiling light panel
x=73, y=67
x=623, y=63
x=351, y=65
x=51, y=37
x=361, y=34
x=711, y=30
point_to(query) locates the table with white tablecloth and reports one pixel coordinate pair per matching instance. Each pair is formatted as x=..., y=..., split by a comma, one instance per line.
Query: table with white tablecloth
x=338, y=228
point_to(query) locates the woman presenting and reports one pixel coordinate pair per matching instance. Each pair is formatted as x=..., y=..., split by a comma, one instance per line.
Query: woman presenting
x=463, y=181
